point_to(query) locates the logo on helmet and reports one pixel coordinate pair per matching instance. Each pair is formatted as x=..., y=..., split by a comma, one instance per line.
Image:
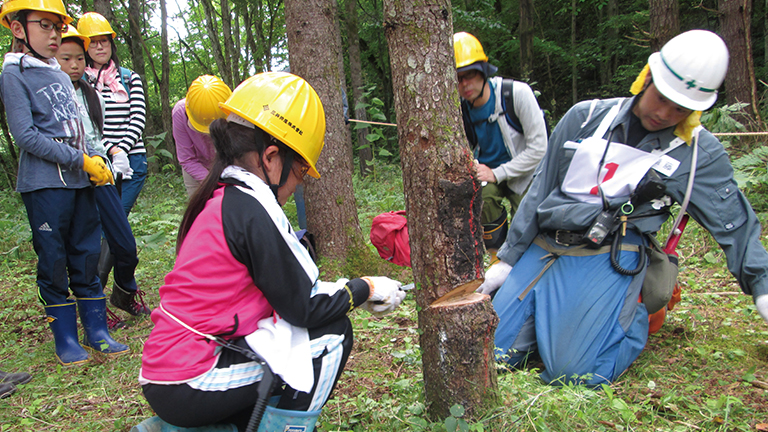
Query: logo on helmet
x=285, y=120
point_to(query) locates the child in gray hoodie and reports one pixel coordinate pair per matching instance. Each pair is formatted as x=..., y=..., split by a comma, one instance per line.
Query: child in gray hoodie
x=55, y=166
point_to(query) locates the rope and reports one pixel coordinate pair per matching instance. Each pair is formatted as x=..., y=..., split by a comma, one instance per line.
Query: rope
x=373, y=122
x=740, y=133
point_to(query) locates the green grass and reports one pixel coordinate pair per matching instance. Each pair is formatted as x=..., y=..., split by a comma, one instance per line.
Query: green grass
x=696, y=374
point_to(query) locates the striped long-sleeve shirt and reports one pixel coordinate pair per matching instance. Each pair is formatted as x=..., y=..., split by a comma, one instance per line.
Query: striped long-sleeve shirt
x=124, y=121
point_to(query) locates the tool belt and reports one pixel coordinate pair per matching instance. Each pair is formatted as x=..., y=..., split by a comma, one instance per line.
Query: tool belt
x=566, y=238
x=573, y=238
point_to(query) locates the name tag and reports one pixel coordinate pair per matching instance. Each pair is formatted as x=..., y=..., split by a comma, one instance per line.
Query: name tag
x=666, y=165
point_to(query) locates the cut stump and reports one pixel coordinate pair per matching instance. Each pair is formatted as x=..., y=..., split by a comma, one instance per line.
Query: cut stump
x=458, y=342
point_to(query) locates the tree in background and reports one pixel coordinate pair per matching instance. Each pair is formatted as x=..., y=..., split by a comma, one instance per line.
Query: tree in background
x=314, y=47
x=356, y=102
x=735, y=25
x=664, y=21
x=442, y=200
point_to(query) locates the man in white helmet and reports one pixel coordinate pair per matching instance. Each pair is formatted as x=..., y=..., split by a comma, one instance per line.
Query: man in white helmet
x=574, y=262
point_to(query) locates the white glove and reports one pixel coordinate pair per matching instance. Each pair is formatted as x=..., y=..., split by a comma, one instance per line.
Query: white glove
x=121, y=164
x=762, y=306
x=386, y=295
x=494, y=278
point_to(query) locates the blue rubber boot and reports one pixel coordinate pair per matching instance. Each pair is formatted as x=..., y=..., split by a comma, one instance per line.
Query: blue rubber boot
x=276, y=419
x=63, y=321
x=155, y=424
x=93, y=316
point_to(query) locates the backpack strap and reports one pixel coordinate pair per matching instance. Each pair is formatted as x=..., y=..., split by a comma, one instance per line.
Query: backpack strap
x=125, y=79
x=508, y=98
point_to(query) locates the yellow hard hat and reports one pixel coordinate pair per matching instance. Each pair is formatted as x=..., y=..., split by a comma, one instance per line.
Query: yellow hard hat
x=73, y=33
x=467, y=50
x=203, y=99
x=52, y=6
x=286, y=107
x=94, y=24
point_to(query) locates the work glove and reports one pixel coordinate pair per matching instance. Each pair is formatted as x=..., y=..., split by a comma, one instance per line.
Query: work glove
x=121, y=164
x=385, y=296
x=494, y=278
x=97, y=170
x=762, y=306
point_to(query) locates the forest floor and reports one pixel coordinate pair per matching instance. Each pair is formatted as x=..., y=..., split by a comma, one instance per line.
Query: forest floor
x=706, y=370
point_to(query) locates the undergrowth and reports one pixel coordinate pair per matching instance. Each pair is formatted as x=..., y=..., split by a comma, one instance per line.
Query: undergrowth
x=702, y=371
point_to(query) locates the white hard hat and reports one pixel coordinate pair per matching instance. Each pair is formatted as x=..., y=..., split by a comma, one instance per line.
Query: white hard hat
x=689, y=69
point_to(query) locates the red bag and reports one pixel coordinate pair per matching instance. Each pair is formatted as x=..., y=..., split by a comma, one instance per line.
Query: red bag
x=389, y=233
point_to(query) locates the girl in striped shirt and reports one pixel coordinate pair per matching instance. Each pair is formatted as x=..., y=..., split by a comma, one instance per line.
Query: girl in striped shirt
x=123, y=93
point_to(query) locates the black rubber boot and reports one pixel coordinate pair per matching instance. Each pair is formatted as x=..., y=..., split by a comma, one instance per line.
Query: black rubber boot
x=126, y=301
x=15, y=378
x=495, y=233
x=6, y=389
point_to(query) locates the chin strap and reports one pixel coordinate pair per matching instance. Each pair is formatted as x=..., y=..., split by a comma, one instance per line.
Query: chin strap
x=482, y=90
x=287, y=165
x=24, y=42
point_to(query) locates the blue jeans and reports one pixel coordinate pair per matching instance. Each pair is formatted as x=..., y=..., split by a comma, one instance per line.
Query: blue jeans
x=132, y=187
x=119, y=236
x=66, y=235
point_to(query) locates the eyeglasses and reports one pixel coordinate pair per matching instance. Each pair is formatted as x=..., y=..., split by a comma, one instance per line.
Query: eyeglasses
x=100, y=42
x=49, y=25
x=467, y=76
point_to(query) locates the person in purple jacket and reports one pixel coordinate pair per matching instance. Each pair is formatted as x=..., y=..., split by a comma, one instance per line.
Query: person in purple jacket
x=191, y=118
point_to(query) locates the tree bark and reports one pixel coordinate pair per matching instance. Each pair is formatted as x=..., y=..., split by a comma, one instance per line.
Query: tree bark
x=740, y=83
x=442, y=199
x=213, y=33
x=365, y=155
x=314, y=48
x=165, y=94
x=574, y=59
x=230, y=54
x=526, y=38
x=664, y=22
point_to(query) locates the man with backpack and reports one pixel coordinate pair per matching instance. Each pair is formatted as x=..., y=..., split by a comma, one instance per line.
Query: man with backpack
x=506, y=130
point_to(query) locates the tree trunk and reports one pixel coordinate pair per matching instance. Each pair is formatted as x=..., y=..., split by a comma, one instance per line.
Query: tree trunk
x=135, y=43
x=526, y=38
x=165, y=94
x=213, y=33
x=442, y=200
x=104, y=8
x=735, y=21
x=230, y=55
x=314, y=48
x=574, y=59
x=608, y=44
x=365, y=155
x=664, y=20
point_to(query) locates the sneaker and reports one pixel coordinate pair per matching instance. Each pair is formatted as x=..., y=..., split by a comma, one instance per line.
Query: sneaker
x=126, y=301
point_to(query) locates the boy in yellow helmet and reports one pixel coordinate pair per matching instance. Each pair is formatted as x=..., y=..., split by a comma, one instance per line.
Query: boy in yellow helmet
x=56, y=168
